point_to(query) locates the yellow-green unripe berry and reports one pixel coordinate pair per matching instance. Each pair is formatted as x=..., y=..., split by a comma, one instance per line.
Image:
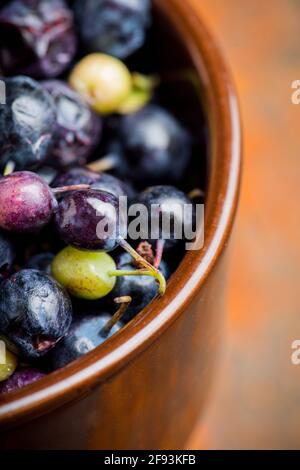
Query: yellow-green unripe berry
x=103, y=81
x=9, y=367
x=85, y=274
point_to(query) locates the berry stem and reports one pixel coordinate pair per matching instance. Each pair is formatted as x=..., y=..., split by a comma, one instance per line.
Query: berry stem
x=135, y=255
x=145, y=82
x=109, y=162
x=9, y=168
x=143, y=272
x=146, y=251
x=124, y=303
x=196, y=193
x=75, y=187
x=141, y=93
x=152, y=271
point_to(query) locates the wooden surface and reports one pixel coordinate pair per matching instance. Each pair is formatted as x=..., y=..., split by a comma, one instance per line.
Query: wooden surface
x=256, y=403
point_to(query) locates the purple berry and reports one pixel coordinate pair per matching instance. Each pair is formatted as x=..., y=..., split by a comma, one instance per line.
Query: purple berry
x=78, y=128
x=20, y=379
x=37, y=38
x=27, y=123
x=80, y=220
x=26, y=202
x=99, y=181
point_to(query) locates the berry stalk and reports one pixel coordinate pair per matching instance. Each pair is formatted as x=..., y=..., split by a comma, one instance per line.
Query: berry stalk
x=109, y=162
x=66, y=189
x=143, y=272
x=124, y=303
x=196, y=193
x=149, y=270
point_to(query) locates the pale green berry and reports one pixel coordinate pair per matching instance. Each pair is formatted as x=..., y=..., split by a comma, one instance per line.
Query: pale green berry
x=140, y=95
x=85, y=274
x=9, y=365
x=103, y=81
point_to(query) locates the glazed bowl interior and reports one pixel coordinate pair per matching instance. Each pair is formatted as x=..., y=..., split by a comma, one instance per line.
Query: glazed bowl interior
x=207, y=104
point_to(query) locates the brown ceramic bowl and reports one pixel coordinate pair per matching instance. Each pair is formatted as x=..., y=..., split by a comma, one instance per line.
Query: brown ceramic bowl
x=146, y=387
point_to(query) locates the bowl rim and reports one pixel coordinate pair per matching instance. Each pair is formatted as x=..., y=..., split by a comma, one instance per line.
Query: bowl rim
x=225, y=134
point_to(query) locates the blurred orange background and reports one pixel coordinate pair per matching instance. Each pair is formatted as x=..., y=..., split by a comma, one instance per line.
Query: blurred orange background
x=256, y=400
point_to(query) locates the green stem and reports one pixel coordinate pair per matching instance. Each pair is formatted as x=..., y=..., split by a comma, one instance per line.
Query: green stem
x=143, y=272
x=104, y=164
x=9, y=168
x=196, y=193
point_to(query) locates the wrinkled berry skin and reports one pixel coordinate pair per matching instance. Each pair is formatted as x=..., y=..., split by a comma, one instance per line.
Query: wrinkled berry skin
x=142, y=289
x=37, y=38
x=79, y=214
x=27, y=123
x=78, y=128
x=83, y=337
x=20, y=379
x=41, y=262
x=7, y=255
x=35, y=312
x=115, y=27
x=166, y=201
x=26, y=202
x=154, y=146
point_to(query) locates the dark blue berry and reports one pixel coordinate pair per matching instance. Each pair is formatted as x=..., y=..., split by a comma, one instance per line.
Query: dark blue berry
x=27, y=123
x=154, y=146
x=84, y=336
x=37, y=38
x=35, y=312
x=163, y=203
x=116, y=27
x=78, y=128
x=41, y=262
